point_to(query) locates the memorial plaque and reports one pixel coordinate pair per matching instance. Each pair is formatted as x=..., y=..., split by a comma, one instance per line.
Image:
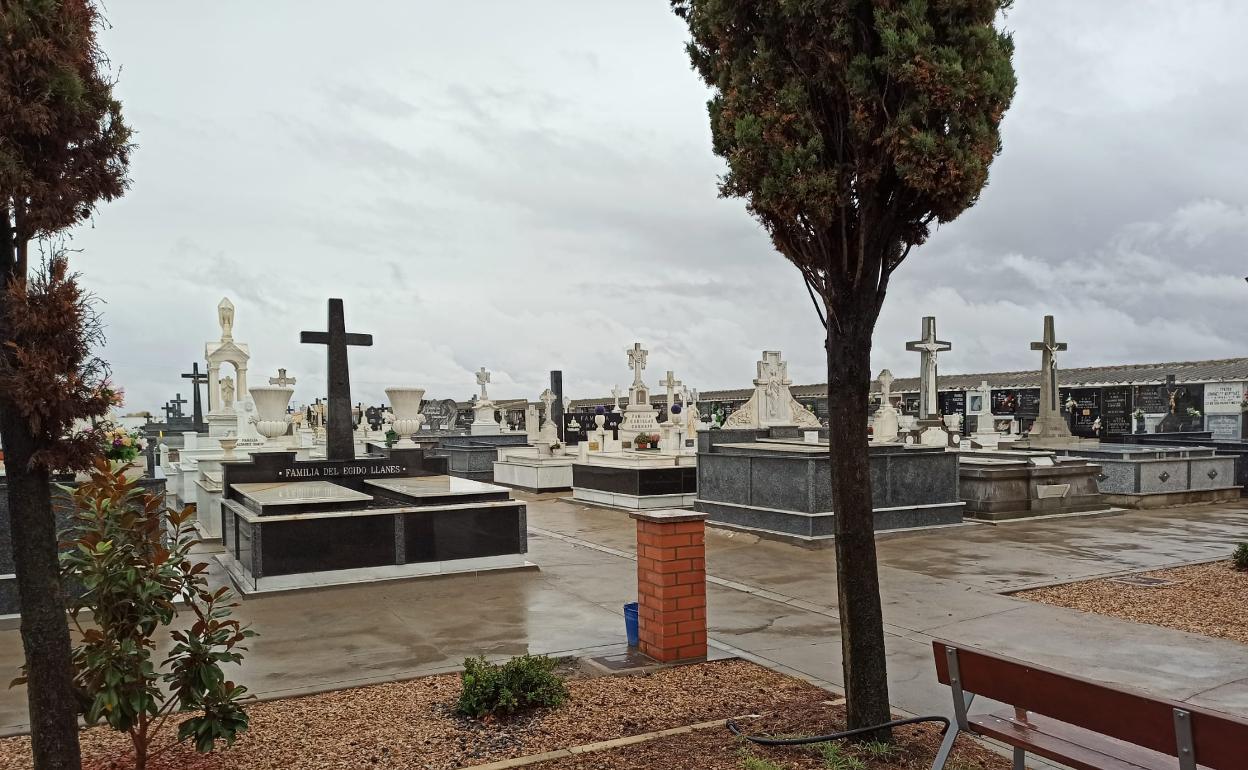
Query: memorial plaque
x=1152, y=399
x=1005, y=402
x=910, y=403
x=1087, y=409
x=1029, y=402
x=1225, y=426
x=1116, y=410
x=952, y=402
x=1224, y=397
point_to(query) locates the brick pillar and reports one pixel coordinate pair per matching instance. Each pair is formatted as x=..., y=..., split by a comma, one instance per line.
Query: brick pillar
x=671, y=584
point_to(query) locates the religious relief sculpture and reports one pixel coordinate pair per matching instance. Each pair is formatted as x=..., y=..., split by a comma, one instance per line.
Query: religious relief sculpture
x=227, y=393
x=225, y=316
x=772, y=404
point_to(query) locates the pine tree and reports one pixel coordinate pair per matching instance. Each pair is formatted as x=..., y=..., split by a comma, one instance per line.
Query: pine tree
x=63, y=149
x=850, y=128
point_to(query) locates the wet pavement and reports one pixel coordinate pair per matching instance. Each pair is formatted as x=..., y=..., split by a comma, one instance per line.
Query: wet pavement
x=771, y=602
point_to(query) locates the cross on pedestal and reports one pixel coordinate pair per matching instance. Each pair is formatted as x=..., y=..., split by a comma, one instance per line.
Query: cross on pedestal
x=929, y=347
x=637, y=361
x=281, y=380
x=197, y=378
x=1048, y=367
x=671, y=383
x=339, y=443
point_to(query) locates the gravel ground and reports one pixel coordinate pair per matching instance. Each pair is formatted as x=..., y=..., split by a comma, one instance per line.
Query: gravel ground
x=411, y=725
x=1206, y=599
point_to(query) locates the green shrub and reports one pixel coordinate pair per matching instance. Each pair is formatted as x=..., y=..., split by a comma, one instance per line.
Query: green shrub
x=1240, y=557
x=529, y=680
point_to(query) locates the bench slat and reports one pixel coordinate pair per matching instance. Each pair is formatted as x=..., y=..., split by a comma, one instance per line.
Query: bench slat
x=1070, y=745
x=1110, y=711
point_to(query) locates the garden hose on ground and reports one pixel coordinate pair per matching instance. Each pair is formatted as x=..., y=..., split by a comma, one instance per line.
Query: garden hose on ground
x=764, y=741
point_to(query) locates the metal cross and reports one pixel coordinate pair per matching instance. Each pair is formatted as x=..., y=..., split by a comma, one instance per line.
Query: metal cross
x=177, y=401
x=281, y=380
x=197, y=378
x=339, y=443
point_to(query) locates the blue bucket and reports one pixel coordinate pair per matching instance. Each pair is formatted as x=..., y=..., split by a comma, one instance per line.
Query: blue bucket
x=630, y=624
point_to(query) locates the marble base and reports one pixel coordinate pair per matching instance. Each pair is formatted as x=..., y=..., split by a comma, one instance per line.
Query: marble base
x=633, y=502
x=1003, y=486
x=485, y=429
x=249, y=584
x=815, y=528
x=535, y=475
x=222, y=424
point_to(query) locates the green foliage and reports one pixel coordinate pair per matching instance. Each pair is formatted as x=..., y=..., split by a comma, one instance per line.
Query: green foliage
x=1240, y=557
x=522, y=682
x=849, y=126
x=752, y=762
x=879, y=750
x=134, y=574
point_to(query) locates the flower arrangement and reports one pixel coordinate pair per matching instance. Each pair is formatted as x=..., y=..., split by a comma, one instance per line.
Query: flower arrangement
x=1193, y=412
x=119, y=444
x=1138, y=413
x=1244, y=404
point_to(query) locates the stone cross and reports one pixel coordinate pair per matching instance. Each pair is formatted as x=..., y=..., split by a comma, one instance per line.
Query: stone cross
x=339, y=443
x=671, y=383
x=197, y=378
x=281, y=380
x=483, y=379
x=929, y=347
x=176, y=402
x=637, y=361
x=886, y=388
x=615, y=394
x=1048, y=368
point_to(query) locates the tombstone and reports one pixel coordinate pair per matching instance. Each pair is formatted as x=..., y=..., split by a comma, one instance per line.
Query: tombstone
x=886, y=427
x=931, y=425
x=339, y=443
x=772, y=405
x=484, y=423
x=222, y=419
x=556, y=387
x=1051, y=424
x=639, y=416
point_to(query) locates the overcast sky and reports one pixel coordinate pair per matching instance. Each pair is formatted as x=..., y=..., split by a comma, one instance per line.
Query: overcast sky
x=530, y=186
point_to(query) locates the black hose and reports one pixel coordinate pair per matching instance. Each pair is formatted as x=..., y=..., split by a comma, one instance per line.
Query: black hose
x=763, y=741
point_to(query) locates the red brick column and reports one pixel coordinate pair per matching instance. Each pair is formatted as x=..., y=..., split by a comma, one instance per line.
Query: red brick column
x=671, y=584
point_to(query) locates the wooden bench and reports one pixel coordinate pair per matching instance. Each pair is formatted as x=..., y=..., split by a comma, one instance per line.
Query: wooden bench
x=1082, y=723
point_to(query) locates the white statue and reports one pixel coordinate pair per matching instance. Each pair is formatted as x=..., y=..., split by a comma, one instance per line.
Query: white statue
x=225, y=316
x=227, y=392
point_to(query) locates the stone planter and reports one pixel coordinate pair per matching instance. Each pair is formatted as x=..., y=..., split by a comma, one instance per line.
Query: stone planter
x=271, y=419
x=405, y=402
x=132, y=473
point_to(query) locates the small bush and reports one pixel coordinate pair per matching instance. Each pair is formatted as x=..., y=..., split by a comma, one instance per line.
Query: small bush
x=522, y=682
x=1240, y=557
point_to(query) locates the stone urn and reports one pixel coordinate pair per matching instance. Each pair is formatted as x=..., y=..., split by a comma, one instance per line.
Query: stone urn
x=406, y=405
x=228, y=443
x=271, y=419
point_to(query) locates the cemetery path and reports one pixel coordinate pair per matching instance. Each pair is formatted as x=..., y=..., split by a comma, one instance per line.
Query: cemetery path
x=770, y=602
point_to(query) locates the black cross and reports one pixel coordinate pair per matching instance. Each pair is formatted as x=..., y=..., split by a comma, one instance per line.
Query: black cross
x=196, y=379
x=169, y=411
x=339, y=443
x=176, y=402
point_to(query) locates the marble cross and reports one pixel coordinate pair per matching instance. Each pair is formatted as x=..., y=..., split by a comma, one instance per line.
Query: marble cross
x=928, y=347
x=1048, y=367
x=281, y=380
x=197, y=378
x=886, y=388
x=637, y=361
x=671, y=383
x=483, y=379
x=615, y=393
x=339, y=443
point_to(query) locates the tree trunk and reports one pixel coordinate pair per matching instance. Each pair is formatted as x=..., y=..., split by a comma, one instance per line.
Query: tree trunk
x=857, y=575
x=32, y=529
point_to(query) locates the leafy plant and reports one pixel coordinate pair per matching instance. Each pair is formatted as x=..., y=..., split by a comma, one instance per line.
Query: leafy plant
x=879, y=750
x=752, y=762
x=133, y=575
x=522, y=682
x=1240, y=557
x=392, y=437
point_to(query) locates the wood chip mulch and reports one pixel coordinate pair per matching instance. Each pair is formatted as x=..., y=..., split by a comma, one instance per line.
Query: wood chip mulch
x=1206, y=599
x=412, y=725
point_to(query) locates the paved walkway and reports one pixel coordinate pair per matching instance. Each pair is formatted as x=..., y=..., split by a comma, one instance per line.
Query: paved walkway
x=769, y=601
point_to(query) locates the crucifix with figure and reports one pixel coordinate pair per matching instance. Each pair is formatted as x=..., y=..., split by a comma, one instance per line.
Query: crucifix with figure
x=929, y=347
x=340, y=445
x=197, y=378
x=671, y=383
x=1051, y=422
